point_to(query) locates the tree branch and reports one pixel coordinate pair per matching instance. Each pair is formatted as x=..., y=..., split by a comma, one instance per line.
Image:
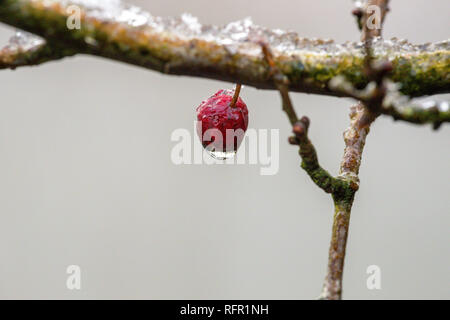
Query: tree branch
x=25, y=49
x=310, y=162
x=185, y=47
x=429, y=111
x=361, y=116
x=394, y=104
x=307, y=152
x=354, y=137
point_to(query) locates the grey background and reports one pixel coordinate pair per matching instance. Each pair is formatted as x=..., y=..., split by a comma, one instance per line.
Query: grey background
x=86, y=179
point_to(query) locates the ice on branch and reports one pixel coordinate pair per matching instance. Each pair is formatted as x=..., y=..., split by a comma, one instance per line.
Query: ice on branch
x=395, y=104
x=243, y=33
x=20, y=48
x=184, y=46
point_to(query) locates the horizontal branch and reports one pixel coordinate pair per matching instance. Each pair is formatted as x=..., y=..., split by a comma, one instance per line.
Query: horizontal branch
x=25, y=49
x=430, y=111
x=231, y=53
x=394, y=104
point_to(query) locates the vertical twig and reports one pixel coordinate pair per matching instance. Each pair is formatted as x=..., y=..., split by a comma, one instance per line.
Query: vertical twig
x=355, y=137
x=237, y=90
x=281, y=82
x=367, y=31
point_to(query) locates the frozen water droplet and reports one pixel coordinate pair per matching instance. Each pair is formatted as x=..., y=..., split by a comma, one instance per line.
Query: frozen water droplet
x=220, y=155
x=24, y=42
x=191, y=24
x=359, y=4
x=444, y=106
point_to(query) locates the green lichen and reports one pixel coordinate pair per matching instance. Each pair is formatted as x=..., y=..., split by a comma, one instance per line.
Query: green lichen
x=419, y=74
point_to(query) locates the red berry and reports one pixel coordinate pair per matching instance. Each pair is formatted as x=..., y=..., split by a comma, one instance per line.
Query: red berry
x=217, y=114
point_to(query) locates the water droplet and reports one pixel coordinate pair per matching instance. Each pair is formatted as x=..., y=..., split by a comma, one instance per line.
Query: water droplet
x=242, y=37
x=359, y=4
x=220, y=155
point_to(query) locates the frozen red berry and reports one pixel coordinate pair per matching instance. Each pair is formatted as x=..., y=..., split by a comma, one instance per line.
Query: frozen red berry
x=221, y=125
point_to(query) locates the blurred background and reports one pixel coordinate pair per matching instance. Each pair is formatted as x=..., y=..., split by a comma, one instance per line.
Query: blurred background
x=86, y=179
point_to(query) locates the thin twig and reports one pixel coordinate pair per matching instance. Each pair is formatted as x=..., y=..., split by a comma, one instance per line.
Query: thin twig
x=354, y=138
x=307, y=152
x=281, y=83
x=237, y=90
x=394, y=104
x=288, y=108
x=25, y=49
x=310, y=163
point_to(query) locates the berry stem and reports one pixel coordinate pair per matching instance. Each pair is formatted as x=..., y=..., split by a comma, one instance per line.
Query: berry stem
x=237, y=90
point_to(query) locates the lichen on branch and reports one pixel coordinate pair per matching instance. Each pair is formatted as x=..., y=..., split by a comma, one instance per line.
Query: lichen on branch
x=310, y=161
x=183, y=46
x=25, y=49
x=394, y=104
x=361, y=117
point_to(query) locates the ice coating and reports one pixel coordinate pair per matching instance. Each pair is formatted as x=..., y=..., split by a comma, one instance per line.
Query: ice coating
x=359, y=4
x=242, y=35
x=22, y=48
x=394, y=99
x=183, y=46
x=24, y=41
x=427, y=105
